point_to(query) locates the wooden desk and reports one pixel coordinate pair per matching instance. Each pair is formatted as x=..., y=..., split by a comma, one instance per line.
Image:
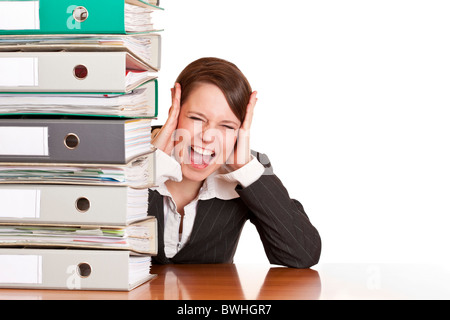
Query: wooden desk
x=202, y=282
x=265, y=282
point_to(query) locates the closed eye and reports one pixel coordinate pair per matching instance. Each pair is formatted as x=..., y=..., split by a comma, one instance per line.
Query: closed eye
x=195, y=118
x=228, y=127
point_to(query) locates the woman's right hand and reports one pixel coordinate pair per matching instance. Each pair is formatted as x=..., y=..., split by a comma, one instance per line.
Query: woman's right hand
x=164, y=140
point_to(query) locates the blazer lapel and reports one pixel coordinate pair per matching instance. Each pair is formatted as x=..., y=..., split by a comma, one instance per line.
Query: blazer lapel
x=156, y=208
x=202, y=219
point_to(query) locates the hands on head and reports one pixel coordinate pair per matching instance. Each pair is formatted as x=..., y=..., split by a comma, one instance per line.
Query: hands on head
x=165, y=139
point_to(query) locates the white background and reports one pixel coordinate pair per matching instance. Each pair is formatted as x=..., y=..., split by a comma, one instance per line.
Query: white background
x=353, y=112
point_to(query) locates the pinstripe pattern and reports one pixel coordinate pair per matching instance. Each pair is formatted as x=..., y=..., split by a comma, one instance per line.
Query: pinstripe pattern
x=288, y=236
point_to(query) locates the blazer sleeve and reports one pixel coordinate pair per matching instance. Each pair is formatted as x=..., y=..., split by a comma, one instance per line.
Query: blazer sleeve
x=285, y=230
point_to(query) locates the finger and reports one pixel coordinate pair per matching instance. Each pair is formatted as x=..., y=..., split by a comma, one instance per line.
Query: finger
x=250, y=110
x=176, y=96
x=174, y=110
x=163, y=140
x=241, y=153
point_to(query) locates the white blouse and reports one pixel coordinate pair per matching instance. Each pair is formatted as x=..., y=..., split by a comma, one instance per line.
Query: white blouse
x=220, y=184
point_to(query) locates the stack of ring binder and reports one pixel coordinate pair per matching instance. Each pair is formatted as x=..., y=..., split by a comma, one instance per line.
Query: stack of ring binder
x=78, y=92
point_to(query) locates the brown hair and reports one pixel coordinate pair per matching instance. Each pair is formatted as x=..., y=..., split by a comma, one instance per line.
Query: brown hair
x=225, y=75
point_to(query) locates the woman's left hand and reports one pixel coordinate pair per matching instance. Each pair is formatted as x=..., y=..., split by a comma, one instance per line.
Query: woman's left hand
x=242, y=153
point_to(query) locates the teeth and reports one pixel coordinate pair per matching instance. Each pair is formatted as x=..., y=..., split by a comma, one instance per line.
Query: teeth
x=203, y=151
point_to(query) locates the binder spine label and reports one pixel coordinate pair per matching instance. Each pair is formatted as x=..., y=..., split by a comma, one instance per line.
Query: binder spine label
x=23, y=269
x=20, y=204
x=24, y=141
x=19, y=15
x=21, y=72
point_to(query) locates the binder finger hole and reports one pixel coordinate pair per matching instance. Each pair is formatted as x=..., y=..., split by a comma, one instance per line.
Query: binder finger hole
x=84, y=270
x=71, y=141
x=80, y=14
x=80, y=72
x=83, y=205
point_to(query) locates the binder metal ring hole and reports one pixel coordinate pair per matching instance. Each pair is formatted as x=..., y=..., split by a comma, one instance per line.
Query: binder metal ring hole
x=80, y=14
x=71, y=141
x=84, y=270
x=80, y=72
x=83, y=205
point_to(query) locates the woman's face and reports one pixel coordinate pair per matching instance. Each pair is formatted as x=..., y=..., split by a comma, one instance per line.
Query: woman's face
x=206, y=133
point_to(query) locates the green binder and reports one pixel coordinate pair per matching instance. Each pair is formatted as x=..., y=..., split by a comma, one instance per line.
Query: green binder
x=68, y=16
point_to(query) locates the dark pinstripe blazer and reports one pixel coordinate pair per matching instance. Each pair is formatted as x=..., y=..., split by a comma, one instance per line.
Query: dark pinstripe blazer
x=287, y=235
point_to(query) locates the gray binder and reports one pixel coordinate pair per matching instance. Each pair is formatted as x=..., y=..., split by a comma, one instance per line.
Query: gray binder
x=73, y=140
x=72, y=205
x=62, y=269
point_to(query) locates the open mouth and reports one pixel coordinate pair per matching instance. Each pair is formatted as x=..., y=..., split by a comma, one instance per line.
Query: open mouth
x=200, y=158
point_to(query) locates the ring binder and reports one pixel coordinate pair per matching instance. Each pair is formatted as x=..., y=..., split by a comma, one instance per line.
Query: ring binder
x=73, y=269
x=78, y=92
x=62, y=140
x=46, y=204
x=63, y=17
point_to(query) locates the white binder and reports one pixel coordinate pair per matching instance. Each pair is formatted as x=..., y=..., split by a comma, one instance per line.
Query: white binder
x=101, y=72
x=61, y=269
x=72, y=205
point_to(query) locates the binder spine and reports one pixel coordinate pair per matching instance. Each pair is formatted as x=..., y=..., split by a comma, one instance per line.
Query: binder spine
x=82, y=17
x=63, y=204
x=73, y=141
x=66, y=269
x=66, y=72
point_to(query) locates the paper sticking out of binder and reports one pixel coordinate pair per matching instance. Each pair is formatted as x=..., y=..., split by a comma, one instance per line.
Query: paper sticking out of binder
x=138, y=237
x=26, y=268
x=141, y=102
x=139, y=173
x=65, y=17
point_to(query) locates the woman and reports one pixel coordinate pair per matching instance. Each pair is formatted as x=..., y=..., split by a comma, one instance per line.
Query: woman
x=209, y=183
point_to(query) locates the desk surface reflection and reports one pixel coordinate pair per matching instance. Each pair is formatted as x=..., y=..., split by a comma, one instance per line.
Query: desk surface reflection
x=266, y=282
